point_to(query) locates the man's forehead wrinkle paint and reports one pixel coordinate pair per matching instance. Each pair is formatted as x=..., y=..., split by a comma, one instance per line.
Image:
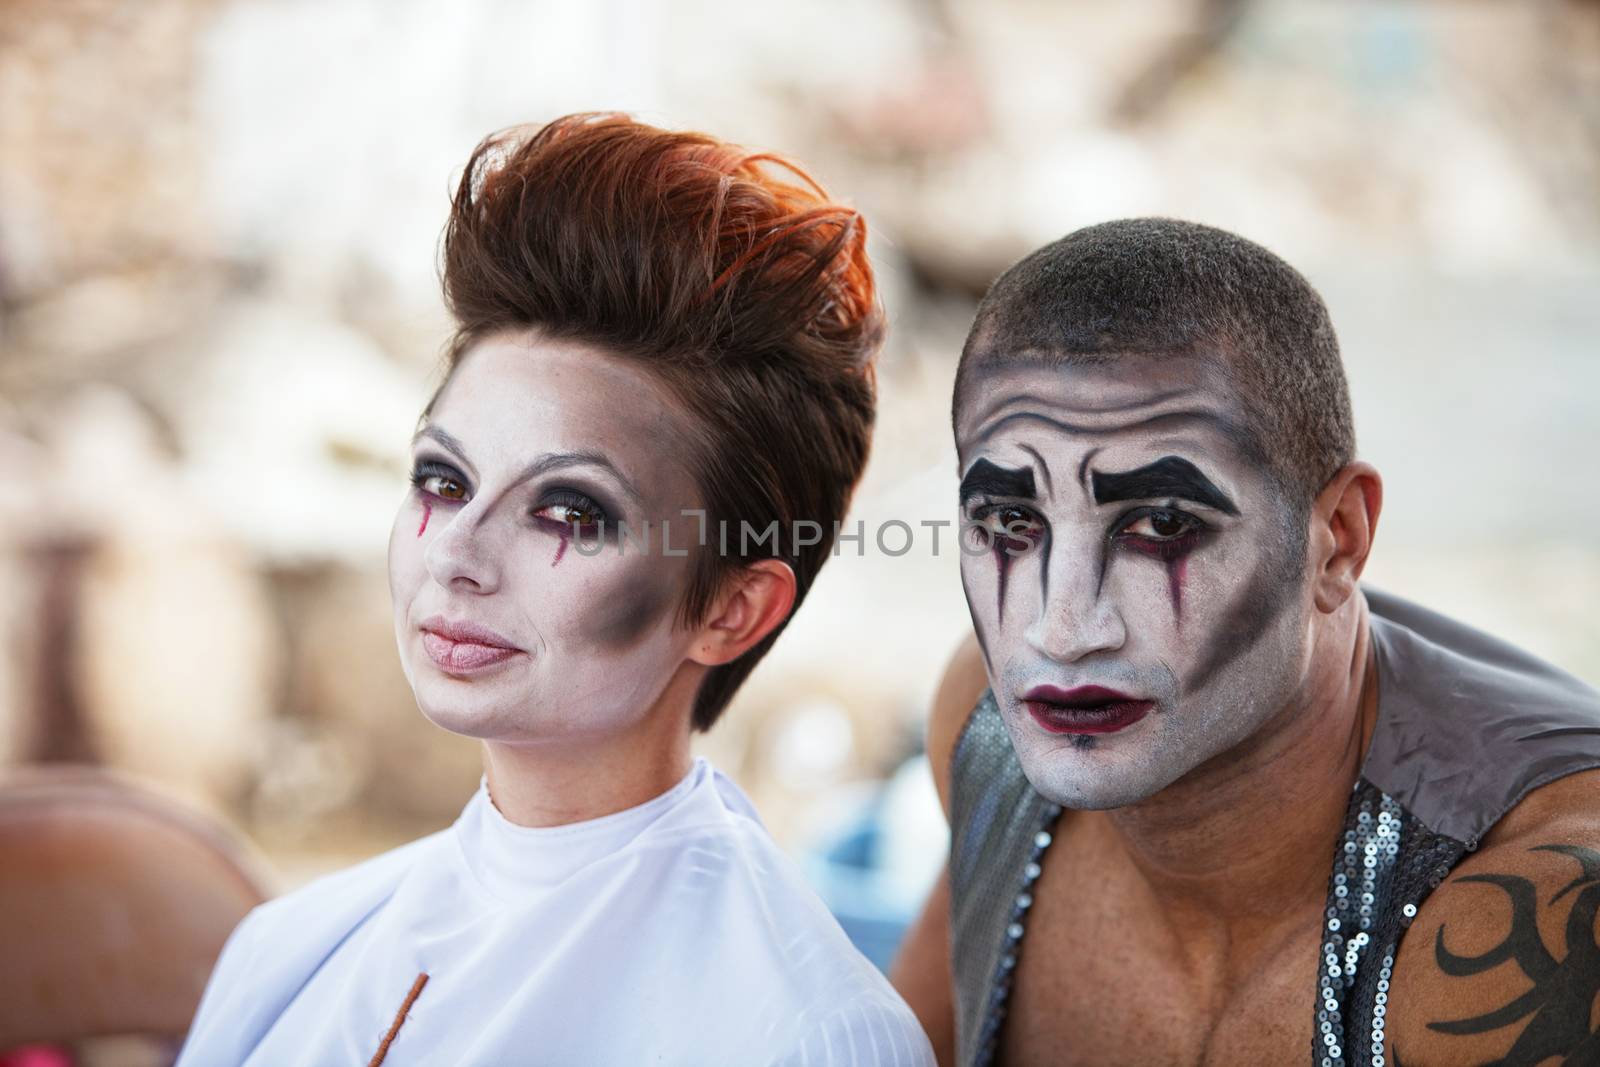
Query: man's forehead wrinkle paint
x=1109, y=384
x=1083, y=466
x=999, y=390
x=1044, y=468
x=1118, y=399
x=1168, y=420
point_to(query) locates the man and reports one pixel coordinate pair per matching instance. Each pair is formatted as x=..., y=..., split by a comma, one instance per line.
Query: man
x=1211, y=802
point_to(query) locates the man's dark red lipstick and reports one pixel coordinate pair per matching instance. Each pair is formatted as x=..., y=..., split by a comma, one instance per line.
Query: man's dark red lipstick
x=1087, y=709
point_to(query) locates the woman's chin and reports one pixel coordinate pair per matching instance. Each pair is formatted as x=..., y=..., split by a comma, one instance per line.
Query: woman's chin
x=457, y=717
x=468, y=710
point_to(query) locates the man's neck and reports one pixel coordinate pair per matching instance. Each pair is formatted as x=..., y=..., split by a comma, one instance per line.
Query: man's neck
x=1243, y=841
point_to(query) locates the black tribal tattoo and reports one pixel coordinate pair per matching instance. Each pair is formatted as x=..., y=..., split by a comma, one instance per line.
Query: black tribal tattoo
x=1560, y=1005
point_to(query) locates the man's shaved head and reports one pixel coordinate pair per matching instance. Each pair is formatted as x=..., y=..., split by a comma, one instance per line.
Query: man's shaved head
x=1165, y=287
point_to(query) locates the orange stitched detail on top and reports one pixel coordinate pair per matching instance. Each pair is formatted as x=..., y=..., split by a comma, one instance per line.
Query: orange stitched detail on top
x=400, y=1017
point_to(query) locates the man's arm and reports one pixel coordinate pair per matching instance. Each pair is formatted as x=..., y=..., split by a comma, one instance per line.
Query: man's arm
x=1502, y=964
x=921, y=970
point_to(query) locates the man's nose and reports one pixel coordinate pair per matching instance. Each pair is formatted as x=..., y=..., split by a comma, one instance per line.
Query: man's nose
x=464, y=556
x=1075, y=618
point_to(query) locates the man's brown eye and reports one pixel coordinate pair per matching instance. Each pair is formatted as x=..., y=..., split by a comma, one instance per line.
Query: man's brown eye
x=1009, y=521
x=1166, y=524
x=1160, y=526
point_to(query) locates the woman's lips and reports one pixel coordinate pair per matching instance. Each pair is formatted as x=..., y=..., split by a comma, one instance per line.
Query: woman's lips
x=1087, y=709
x=460, y=657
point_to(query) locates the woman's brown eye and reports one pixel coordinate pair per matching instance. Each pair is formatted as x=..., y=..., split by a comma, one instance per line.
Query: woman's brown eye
x=451, y=490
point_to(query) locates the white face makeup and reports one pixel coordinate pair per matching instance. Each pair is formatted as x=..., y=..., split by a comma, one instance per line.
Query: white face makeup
x=530, y=436
x=1134, y=576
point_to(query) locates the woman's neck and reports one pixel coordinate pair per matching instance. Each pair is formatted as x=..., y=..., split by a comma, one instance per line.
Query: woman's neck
x=559, y=781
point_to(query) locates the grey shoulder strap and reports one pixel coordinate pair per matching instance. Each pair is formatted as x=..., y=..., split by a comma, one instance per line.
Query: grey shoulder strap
x=1468, y=724
x=995, y=816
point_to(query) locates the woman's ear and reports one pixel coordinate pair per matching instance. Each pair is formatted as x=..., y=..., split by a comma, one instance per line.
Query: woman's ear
x=754, y=602
x=1344, y=519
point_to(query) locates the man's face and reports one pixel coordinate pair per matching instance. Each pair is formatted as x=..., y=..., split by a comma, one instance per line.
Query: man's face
x=530, y=437
x=1134, y=575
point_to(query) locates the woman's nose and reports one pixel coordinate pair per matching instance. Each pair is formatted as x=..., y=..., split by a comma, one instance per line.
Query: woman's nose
x=463, y=554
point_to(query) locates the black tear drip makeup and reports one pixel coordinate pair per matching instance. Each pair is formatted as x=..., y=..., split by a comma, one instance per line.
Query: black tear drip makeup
x=1002, y=563
x=982, y=479
x=1268, y=593
x=1007, y=547
x=1044, y=565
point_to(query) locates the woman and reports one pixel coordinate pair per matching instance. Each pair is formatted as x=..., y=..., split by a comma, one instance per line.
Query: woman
x=659, y=391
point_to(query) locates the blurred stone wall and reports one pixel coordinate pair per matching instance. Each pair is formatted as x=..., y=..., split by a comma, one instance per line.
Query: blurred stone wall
x=219, y=317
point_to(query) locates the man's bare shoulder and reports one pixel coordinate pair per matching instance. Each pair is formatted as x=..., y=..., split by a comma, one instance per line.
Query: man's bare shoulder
x=1502, y=964
x=965, y=678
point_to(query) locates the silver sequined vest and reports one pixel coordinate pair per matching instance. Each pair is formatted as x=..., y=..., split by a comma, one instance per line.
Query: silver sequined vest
x=1467, y=725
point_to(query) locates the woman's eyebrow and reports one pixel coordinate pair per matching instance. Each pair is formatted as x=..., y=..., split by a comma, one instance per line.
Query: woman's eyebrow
x=1167, y=476
x=552, y=461
x=447, y=439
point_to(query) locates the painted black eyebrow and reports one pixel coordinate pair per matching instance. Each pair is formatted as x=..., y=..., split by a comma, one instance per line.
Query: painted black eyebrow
x=544, y=464
x=1167, y=476
x=988, y=479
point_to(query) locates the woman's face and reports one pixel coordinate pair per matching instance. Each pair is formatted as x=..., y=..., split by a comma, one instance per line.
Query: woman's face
x=529, y=437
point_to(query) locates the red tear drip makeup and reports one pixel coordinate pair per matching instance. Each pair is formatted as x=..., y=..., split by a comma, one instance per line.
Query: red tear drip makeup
x=1173, y=552
x=427, y=510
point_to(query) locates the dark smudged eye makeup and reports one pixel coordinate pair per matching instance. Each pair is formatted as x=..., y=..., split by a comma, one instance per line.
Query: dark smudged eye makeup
x=440, y=480
x=558, y=509
x=1167, y=527
x=567, y=508
x=1014, y=524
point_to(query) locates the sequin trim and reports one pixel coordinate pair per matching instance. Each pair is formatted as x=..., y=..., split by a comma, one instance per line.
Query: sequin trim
x=1361, y=877
x=1006, y=969
x=1385, y=865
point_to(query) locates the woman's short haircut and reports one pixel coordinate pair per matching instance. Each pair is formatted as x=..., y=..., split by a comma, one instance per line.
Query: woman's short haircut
x=730, y=275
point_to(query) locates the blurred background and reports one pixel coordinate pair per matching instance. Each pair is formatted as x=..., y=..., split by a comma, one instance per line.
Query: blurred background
x=219, y=318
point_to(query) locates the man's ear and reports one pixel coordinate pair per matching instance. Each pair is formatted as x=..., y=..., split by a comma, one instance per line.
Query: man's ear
x=1344, y=519
x=754, y=602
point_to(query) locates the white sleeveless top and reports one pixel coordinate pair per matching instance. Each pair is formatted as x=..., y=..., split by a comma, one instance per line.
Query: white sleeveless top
x=675, y=932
